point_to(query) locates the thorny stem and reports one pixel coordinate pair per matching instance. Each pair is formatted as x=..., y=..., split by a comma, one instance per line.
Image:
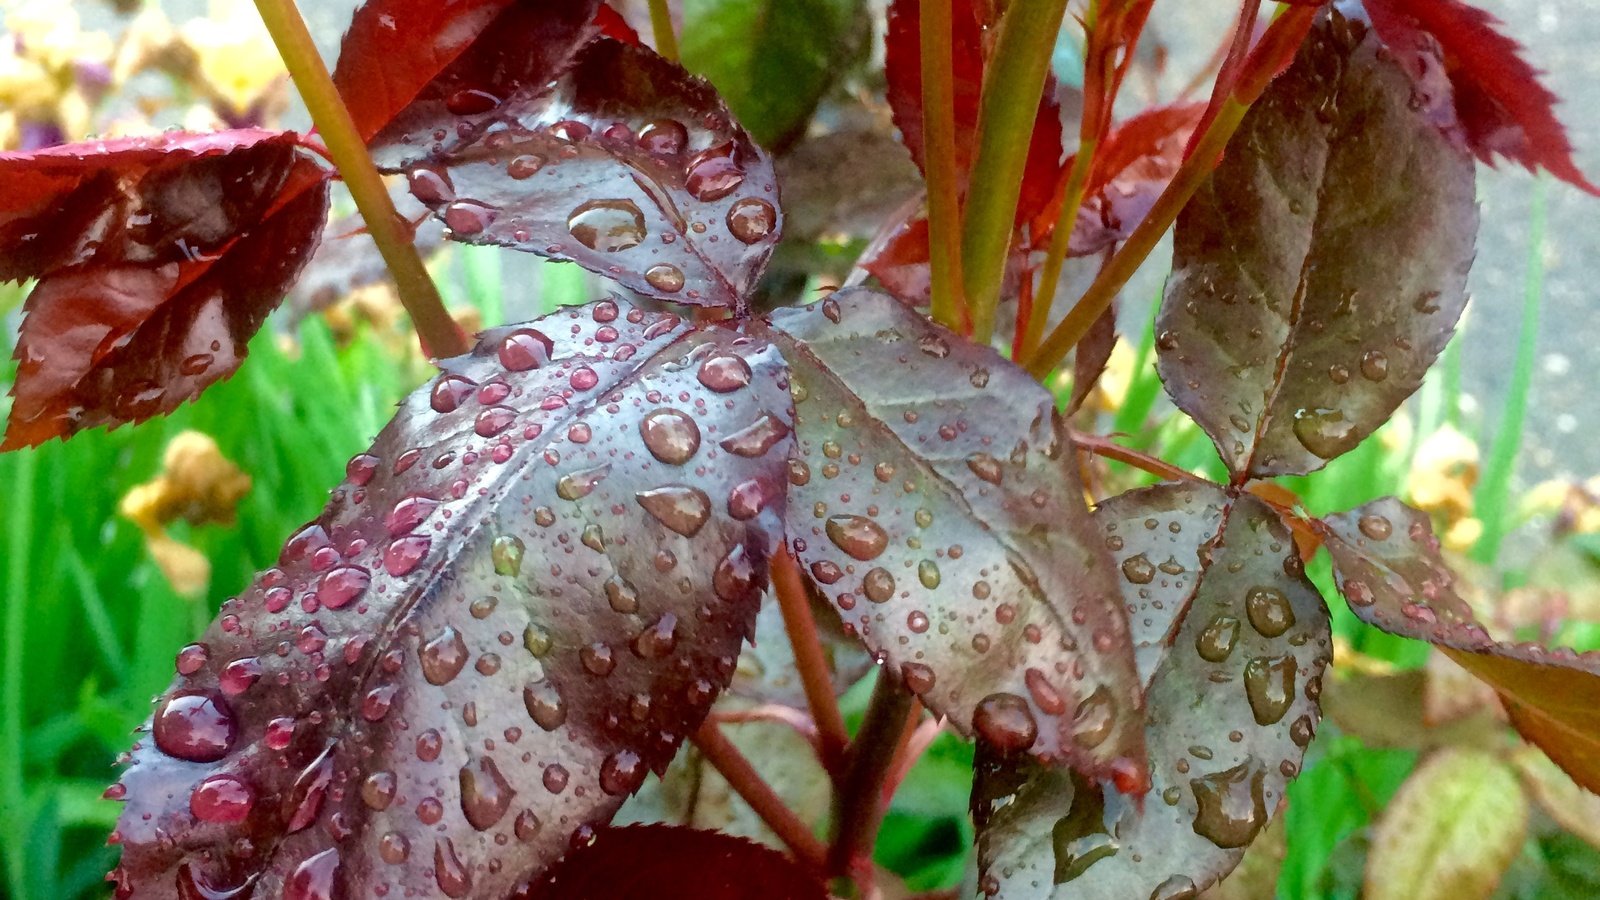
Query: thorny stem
x=871, y=757
x=440, y=335
x=661, y=26
x=1284, y=35
x=795, y=605
x=939, y=165
x=748, y=784
x=1011, y=92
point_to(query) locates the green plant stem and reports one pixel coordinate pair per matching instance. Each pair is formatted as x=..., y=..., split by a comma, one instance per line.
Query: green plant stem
x=1494, y=491
x=1060, y=241
x=661, y=26
x=440, y=335
x=812, y=664
x=1011, y=92
x=1191, y=174
x=939, y=165
x=13, y=792
x=748, y=784
x=857, y=810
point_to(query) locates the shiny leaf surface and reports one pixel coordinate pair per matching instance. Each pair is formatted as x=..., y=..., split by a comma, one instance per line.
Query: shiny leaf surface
x=157, y=259
x=626, y=165
x=1387, y=564
x=1242, y=640
x=1310, y=293
x=935, y=500
x=518, y=603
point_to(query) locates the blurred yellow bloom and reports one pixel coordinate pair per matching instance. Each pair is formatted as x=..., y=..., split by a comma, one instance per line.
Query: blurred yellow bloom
x=1442, y=477
x=39, y=65
x=236, y=55
x=1576, y=505
x=1111, y=391
x=198, y=485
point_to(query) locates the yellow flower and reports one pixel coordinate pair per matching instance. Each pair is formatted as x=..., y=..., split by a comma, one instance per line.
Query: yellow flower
x=198, y=485
x=235, y=53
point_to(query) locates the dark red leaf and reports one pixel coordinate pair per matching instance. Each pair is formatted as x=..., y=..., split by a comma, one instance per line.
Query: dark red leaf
x=157, y=259
x=614, y=26
x=1090, y=357
x=1500, y=103
x=659, y=862
x=1322, y=267
x=1232, y=641
x=1387, y=564
x=972, y=24
x=935, y=500
x=627, y=165
x=403, y=61
x=517, y=604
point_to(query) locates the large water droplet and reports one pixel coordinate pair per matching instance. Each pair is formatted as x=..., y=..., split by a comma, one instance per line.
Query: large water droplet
x=222, y=799
x=1095, y=718
x=1269, y=611
x=378, y=790
x=928, y=573
x=1375, y=527
x=919, y=678
x=485, y=794
x=985, y=467
x=452, y=876
x=1269, y=686
x=525, y=349
x=341, y=586
x=751, y=220
x=443, y=657
x=506, y=553
x=1374, y=365
x=622, y=772
x=403, y=555
x=665, y=278
x=734, y=575
x=1232, y=805
x=1178, y=887
x=858, y=536
x=1324, y=432
x=713, y=173
x=579, y=484
x=449, y=392
x=1215, y=642
x=757, y=438
x=659, y=639
x=663, y=137
x=607, y=225
x=878, y=585
x=682, y=508
x=195, y=727
x=1006, y=723
x=315, y=878
x=670, y=435
x=544, y=705
x=724, y=374
x=1044, y=693
x=1138, y=569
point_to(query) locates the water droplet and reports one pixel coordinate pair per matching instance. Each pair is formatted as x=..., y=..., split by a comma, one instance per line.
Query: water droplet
x=748, y=498
x=757, y=438
x=607, y=225
x=1178, y=887
x=1215, y=641
x=378, y=789
x=1006, y=723
x=1269, y=686
x=404, y=554
x=314, y=879
x=1269, y=611
x=192, y=658
x=239, y=675
x=537, y=640
x=670, y=435
x=598, y=659
x=485, y=794
x=664, y=277
x=506, y=554
x=878, y=585
x=1374, y=365
x=751, y=220
x=713, y=173
x=467, y=219
x=393, y=848
x=449, y=392
x=443, y=657
x=919, y=679
x=680, y=507
x=1138, y=569
x=858, y=536
x=431, y=186
x=341, y=586
x=494, y=420
x=525, y=166
x=525, y=349
x=621, y=596
x=1095, y=718
x=985, y=467
x=663, y=137
x=555, y=778
x=222, y=800
x=452, y=876
x=928, y=573
x=1375, y=527
x=917, y=621
x=1044, y=693
x=1323, y=431
x=657, y=640
x=470, y=102
x=195, y=727
x=622, y=772
x=579, y=484
x=734, y=576
x=544, y=705
x=1232, y=806
x=724, y=374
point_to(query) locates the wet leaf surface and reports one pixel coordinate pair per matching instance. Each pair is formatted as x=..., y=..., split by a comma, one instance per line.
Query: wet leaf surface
x=413, y=65
x=1308, y=294
x=1231, y=706
x=1500, y=104
x=157, y=259
x=656, y=861
x=1387, y=564
x=627, y=166
x=1452, y=830
x=517, y=604
x=935, y=500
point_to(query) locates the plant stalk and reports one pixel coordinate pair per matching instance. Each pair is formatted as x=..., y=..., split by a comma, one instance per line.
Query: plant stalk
x=815, y=677
x=440, y=335
x=748, y=784
x=661, y=27
x=1060, y=241
x=1103, y=447
x=939, y=166
x=872, y=755
x=1011, y=92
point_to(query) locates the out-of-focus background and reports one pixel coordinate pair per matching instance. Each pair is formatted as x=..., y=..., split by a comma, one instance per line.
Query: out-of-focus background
x=115, y=548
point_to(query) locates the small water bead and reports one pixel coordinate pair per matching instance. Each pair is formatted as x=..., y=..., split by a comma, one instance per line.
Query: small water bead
x=449, y=392
x=663, y=137
x=583, y=379
x=485, y=793
x=1231, y=805
x=1324, y=432
x=860, y=537
x=928, y=573
x=360, y=469
x=239, y=675
x=577, y=485
x=555, y=778
x=198, y=727
x=1178, y=887
x=597, y=659
x=622, y=772
x=467, y=219
x=452, y=877
x=713, y=173
x=341, y=586
x=1095, y=718
x=665, y=277
x=506, y=553
x=428, y=745
x=751, y=220
x=430, y=186
x=1044, y=693
x=1374, y=365
x=1375, y=527
x=607, y=226
x=724, y=374
x=658, y=639
x=917, y=621
x=682, y=508
x=670, y=435
x=1269, y=611
x=1215, y=642
x=985, y=467
x=1006, y=723
x=1138, y=569
x=222, y=799
x=1269, y=686
x=394, y=848
x=525, y=166
x=544, y=705
x=525, y=349
x=315, y=878
x=403, y=555
x=443, y=657
x=378, y=790
x=192, y=658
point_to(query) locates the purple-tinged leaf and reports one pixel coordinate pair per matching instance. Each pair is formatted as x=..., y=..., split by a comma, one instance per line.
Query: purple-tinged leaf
x=1322, y=267
x=935, y=500
x=663, y=861
x=1231, y=707
x=1091, y=356
x=627, y=165
x=518, y=603
x=1387, y=564
x=157, y=260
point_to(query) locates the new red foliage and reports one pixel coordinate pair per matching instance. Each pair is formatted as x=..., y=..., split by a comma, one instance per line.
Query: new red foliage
x=1500, y=103
x=661, y=862
x=157, y=259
